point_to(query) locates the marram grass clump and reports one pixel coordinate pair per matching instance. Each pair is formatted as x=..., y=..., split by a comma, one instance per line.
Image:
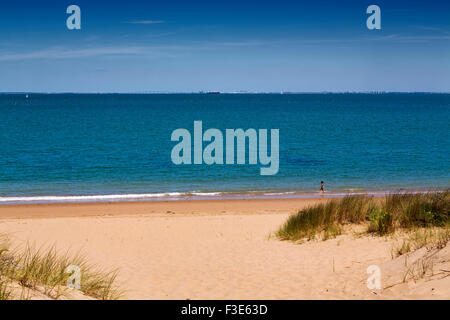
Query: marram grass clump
x=397, y=211
x=430, y=209
x=326, y=218
x=45, y=272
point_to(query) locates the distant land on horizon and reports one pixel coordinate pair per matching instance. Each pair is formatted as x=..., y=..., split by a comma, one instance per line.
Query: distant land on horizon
x=237, y=92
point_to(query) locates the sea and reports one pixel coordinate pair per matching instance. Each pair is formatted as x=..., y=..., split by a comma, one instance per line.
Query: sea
x=117, y=147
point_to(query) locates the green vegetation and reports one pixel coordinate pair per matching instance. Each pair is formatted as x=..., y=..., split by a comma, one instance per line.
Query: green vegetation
x=406, y=211
x=381, y=222
x=31, y=270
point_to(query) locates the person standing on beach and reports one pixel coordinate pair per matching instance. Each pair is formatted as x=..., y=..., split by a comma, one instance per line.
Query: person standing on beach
x=322, y=186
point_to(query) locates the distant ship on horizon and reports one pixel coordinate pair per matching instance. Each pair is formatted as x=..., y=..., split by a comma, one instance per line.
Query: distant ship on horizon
x=213, y=92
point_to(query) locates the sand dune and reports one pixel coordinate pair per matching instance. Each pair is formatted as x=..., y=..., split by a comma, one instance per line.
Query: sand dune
x=217, y=250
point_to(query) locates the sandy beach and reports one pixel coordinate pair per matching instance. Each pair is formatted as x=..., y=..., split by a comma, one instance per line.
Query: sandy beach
x=220, y=249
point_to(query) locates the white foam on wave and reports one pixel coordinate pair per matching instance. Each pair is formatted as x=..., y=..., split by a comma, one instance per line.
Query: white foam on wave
x=278, y=193
x=106, y=197
x=206, y=194
x=90, y=197
x=187, y=195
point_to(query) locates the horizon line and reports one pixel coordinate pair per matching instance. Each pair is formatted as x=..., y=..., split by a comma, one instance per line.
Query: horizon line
x=230, y=92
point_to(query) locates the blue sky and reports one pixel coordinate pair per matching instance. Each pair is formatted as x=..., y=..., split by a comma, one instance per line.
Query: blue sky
x=187, y=46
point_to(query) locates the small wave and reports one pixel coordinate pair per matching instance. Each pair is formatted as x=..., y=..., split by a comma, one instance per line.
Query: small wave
x=192, y=195
x=108, y=197
x=206, y=194
x=278, y=193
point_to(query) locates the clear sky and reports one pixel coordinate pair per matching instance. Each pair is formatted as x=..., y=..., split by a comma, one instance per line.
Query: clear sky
x=187, y=46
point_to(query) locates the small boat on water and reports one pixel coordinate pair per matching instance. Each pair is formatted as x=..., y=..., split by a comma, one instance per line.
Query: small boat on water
x=213, y=92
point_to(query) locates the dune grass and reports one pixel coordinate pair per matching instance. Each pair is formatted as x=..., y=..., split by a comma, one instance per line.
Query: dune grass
x=44, y=271
x=432, y=238
x=326, y=218
x=397, y=211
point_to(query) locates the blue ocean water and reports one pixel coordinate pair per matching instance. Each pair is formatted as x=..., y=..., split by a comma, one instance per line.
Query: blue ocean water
x=118, y=145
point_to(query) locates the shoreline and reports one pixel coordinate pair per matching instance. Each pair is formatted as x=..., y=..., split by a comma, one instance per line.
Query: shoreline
x=200, y=196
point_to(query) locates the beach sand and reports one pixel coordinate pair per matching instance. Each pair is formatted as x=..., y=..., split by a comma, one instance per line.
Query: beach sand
x=218, y=249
